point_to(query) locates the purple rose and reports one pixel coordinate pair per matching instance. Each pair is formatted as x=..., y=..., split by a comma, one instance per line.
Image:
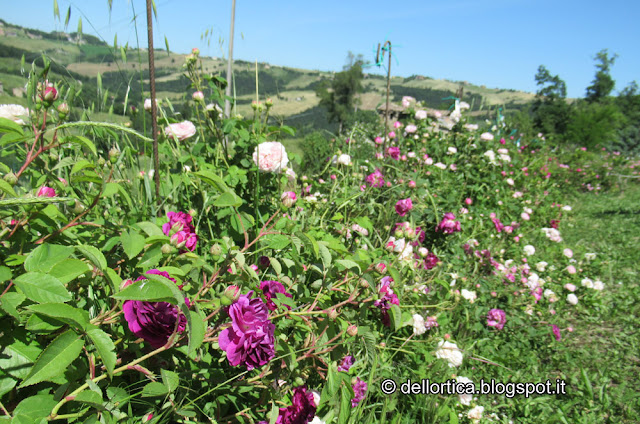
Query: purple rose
x=250, y=339
x=359, y=390
x=302, y=409
x=449, y=225
x=496, y=318
x=375, y=179
x=394, y=152
x=270, y=289
x=556, y=332
x=181, y=231
x=431, y=260
x=387, y=298
x=499, y=225
x=403, y=206
x=154, y=321
x=346, y=364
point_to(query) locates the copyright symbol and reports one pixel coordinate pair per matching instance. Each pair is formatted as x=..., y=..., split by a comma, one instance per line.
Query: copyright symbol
x=388, y=386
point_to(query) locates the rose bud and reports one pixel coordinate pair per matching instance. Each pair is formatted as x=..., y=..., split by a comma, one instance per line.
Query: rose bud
x=332, y=314
x=352, y=330
x=216, y=250
x=288, y=199
x=50, y=94
x=232, y=293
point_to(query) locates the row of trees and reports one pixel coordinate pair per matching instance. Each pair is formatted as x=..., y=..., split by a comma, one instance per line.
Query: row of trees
x=598, y=119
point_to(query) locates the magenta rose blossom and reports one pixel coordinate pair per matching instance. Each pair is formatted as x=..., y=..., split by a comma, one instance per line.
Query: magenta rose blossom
x=302, y=409
x=376, y=179
x=360, y=391
x=403, y=206
x=496, y=318
x=431, y=260
x=46, y=192
x=346, y=364
x=556, y=332
x=386, y=299
x=250, y=339
x=449, y=225
x=270, y=289
x=180, y=131
x=154, y=321
x=394, y=152
x=181, y=231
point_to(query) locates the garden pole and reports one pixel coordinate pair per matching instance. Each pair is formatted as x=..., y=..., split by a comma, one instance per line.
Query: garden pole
x=154, y=107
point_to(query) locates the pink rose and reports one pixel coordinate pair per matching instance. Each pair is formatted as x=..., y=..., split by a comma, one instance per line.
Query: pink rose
x=270, y=156
x=46, y=192
x=181, y=131
x=403, y=206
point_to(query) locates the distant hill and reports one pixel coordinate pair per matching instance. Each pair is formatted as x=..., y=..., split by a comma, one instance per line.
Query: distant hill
x=105, y=75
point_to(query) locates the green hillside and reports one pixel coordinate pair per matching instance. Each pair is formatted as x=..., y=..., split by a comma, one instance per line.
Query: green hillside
x=104, y=75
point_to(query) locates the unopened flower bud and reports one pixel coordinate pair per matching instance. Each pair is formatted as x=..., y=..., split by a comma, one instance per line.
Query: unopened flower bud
x=198, y=96
x=216, y=250
x=148, y=417
x=195, y=51
x=192, y=212
x=352, y=330
x=268, y=102
x=232, y=293
x=11, y=178
x=78, y=208
x=125, y=283
x=381, y=268
x=63, y=110
x=50, y=94
x=101, y=161
x=364, y=283
x=288, y=199
x=166, y=249
x=113, y=154
x=332, y=314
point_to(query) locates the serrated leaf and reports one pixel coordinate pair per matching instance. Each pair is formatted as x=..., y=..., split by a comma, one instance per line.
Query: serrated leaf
x=227, y=199
x=80, y=165
x=105, y=347
x=36, y=407
x=154, y=389
x=325, y=255
x=8, y=126
x=62, y=312
x=94, y=255
x=55, y=359
x=42, y=325
x=5, y=274
x=213, y=180
x=345, y=405
x=6, y=187
x=90, y=397
x=16, y=358
x=151, y=257
x=278, y=241
x=132, y=243
x=145, y=290
x=83, y=141
x=396, y=316
x=197, y=329
x=44, y=257
x=170, y=379
x=42, y=288
x=69, y=269
x=11, y=301
x=348, y=264
x=150, y=228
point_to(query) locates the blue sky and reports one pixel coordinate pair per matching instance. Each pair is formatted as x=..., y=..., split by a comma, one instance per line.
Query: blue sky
x=497, y=43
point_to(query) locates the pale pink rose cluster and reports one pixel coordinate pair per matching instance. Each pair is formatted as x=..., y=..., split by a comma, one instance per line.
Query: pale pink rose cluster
x=180, y=131
x=270, y=156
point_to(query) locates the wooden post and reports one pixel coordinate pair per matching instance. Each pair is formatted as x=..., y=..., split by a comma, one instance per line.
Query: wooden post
x=154, y=107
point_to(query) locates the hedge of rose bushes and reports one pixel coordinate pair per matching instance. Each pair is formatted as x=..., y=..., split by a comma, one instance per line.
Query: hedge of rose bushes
x=252, y=293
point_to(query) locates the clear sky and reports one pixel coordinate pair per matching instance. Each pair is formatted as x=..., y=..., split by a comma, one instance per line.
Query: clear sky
x=497, y=43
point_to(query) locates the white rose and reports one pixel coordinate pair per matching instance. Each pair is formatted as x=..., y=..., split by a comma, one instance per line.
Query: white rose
x=450, y=352
x=475, y=414
x=541, y=266
x=421, y=114
x=572, y=298
x=418, y=325
x=270, y=156
x=14, y=113
x=529, y=250
x=343, y=159
x=469, y=295
x=465, y=399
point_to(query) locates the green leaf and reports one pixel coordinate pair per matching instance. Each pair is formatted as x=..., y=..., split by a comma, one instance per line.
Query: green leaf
x=69, y=269
x=197, y=329
x=42, y=288
x=62, y=312
x=94, y=255
x=11, y=301
x=105, y=347
x=348, y=264
x=213, y=180
x=6, y=187
x=151, y=257
x=132, y=242
x=150, y=228
x=227, y=199
x=16, y=358
x=55, y=358
x=42, y=325
x=44, y=257
x=345, y=405
x=170, y=379
x=80, y=165
x=83, y=141
x=5, y=274
x=396, y=316
x=325, y=255
x=278, y=241
x=35, y=407
x=154, y=389
x=90, y=397
x=110, y=189
x=8, y=126
x=146, y=290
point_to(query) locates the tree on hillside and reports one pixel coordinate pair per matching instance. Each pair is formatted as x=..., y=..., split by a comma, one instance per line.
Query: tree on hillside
x=602, y=85
x=550, y=109
x=339, y=95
